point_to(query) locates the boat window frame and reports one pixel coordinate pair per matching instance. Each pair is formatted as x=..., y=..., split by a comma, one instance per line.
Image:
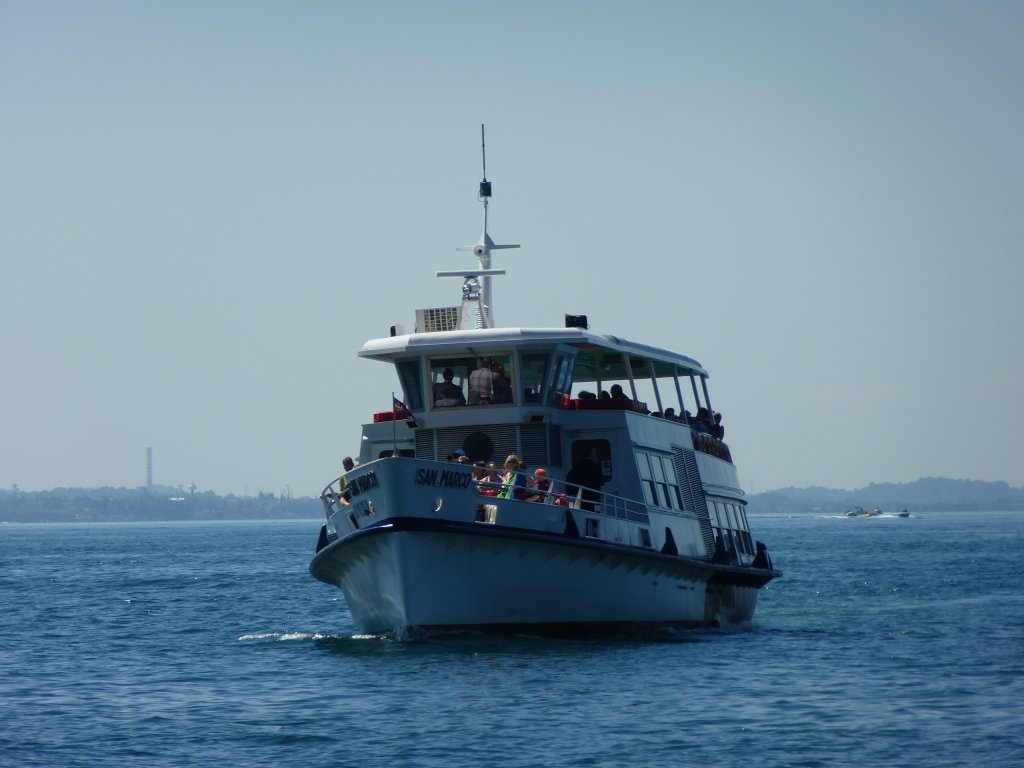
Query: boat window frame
x=506, y=359
x=410, y=378
x=728, y=519
x=647, y=481
x=547, y=355
x=658, y=479
x=560, y=377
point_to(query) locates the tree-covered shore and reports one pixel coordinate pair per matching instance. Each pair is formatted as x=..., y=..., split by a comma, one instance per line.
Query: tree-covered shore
x=71, y=505
x=926, y=494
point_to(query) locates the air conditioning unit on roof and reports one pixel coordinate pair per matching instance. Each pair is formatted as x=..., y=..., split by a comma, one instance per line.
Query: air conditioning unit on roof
x=437, y=319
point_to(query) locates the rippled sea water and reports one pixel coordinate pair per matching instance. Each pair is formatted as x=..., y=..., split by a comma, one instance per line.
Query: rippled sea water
x=889, y=642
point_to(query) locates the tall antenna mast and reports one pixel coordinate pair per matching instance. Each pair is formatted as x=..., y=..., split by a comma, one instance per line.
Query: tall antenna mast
x=483, y=154
x=477, y=283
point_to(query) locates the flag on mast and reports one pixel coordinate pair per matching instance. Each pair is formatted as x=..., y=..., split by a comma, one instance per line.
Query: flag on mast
x=401, y=412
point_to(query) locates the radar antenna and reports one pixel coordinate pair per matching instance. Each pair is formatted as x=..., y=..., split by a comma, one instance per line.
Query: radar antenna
x=477, y=283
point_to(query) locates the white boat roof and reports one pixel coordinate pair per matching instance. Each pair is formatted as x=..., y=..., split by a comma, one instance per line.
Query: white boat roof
x=478, y=340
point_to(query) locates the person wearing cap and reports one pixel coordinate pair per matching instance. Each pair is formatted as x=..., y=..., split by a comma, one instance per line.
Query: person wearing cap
x=541, y=486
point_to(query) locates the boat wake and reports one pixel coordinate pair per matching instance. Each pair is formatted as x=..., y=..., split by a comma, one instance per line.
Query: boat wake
x=281, y=636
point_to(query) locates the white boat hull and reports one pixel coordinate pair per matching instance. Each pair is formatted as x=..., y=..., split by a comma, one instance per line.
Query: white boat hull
x=397, y=578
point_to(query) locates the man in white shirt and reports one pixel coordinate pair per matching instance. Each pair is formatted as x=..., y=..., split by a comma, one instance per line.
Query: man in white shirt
x=481, y=383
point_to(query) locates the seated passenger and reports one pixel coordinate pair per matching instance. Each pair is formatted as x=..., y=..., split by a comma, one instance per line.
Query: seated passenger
x=446, y=392
x=513, y=483
x=491, y=482
x=479, y=473
x=702, y=421
x=670, y=414
x=541, y=486
x=617, y=393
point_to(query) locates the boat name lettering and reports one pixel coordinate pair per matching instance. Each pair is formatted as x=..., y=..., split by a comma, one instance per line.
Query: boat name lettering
x=443, y=478
x=363, y=483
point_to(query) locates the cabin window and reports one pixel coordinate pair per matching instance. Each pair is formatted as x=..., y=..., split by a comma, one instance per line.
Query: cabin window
x=675, y=495
x=409, y=375
x=532, y=371
x=593, y=529
x=743, y=518
x=469, y=380
x=725, y=512
x=647, y=479
x=713, y=516
x=744, y=529
x=658, y=478
x=561, y=380
x=661, y=480
x=729, y=522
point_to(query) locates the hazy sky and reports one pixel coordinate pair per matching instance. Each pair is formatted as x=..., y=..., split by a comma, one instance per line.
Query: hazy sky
x=207, y=207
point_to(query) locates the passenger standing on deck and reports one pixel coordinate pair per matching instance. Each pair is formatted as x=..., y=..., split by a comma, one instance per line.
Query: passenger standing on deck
x=586, y=473
x=481, y=383
x=502, y=389
x=717, y=429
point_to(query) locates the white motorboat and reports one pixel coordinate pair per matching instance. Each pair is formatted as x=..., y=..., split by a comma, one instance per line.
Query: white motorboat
x=629, y=512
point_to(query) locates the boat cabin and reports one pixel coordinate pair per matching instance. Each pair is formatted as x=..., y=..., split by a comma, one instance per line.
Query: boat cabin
x=557, y=396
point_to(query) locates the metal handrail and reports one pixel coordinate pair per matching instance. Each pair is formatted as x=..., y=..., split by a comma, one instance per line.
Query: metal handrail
x=611, y=505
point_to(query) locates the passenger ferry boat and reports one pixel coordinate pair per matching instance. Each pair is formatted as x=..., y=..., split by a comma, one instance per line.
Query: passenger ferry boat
x=626, y=515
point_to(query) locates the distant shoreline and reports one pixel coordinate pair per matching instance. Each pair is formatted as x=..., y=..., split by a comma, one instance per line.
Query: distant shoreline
x=927, y=494
x=113, y=505
x=169, y=504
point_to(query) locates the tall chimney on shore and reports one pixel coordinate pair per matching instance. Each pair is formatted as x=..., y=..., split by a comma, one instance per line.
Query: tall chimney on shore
x=149, y=468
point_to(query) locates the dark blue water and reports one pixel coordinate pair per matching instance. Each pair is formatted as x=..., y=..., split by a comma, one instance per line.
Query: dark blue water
x=889, y=642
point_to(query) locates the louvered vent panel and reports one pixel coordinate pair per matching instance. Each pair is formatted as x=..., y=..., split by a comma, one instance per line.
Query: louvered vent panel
x=533, y=439
x=490, y=442
x=425, y=444
x=688, y=475
x=555, y=444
